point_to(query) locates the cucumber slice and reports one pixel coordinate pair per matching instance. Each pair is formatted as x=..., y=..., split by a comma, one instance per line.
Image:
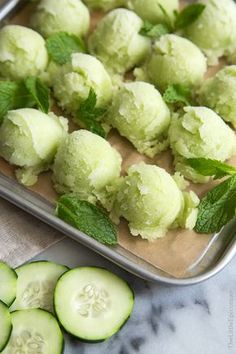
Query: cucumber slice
x=8, y=280
x=35, y=331
x=5, y=325
x=36, y=284
x=91, y=303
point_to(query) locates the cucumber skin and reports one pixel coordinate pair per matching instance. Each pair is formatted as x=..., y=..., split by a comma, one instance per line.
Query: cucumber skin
x=41, y=261
x=86, y=340
x=49, y=313
x=5, y=344
x=94, y=341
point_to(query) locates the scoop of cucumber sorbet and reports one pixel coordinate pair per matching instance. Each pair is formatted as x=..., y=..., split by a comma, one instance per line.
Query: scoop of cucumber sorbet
x=200, y=132
x=117, y=43
x=84, y=165
x=29, y=139
x=215, y=29
x=219, y=94
x=174, y=60
x=151, y=201
x=22, y=52
x=72, y=82
x=140, y=114
x=52, y=16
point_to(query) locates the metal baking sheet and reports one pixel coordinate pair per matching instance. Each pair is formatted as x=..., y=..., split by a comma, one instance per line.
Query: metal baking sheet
x=217, y=255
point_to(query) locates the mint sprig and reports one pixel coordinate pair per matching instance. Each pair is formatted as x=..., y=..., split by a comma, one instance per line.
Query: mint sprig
x=178, y=95
x=28, y=93
x=90, y=115
x=154, y=31
x=61, y=45
x=182, y=20
x=87, y=218
x=39, y=93
x=217, y=208
x=208, y=167
x=12, y=95
x=188, y=15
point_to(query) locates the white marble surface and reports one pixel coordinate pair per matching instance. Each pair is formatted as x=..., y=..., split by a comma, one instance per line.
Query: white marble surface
x=200, y=319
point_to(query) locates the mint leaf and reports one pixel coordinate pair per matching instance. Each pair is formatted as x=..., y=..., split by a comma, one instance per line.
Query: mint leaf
x=40, y=93
x=8, y=90
x=208, y=167
x=154, y=31
x=90, y=103
x=22, y=97
x=13, y=95
x=95, y=127
x=182, y=19
x=178, y=94
x=61, y=45
x=89, y=115
x=188, y=15
x=28, y=93
x=87, y=218
x=217, y=208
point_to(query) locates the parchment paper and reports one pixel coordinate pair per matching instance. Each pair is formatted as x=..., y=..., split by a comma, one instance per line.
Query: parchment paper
x=174, y=253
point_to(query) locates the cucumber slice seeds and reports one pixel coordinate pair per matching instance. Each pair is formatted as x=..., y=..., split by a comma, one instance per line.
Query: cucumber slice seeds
x=35, y=285
x=8, y=280
x=5, y=325
x=92, y=303
x=35, y=331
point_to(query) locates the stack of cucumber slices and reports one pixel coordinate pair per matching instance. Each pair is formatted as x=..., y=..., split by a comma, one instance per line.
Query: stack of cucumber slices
x=39, y=299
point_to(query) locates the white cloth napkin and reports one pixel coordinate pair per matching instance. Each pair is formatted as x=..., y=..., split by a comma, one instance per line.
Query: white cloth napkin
x=22, y=236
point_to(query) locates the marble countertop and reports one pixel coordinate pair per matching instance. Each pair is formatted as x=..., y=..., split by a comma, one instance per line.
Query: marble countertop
x=200, y=319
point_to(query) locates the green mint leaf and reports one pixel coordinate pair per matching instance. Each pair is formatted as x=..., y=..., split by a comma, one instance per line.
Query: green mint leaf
x=147, y=26
x=61, y=45
x=8, y=90
x=154, y=31
x=22, y=97
x=28, y=93
x=217, y=208
x=39, y=92
x=89, y=115
x=188, y=15
x=95, y=127
x=90, y=122
x=208, y=167
x=87, y=218
x=177, y=94
x=90, y=103
x=13, y=95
